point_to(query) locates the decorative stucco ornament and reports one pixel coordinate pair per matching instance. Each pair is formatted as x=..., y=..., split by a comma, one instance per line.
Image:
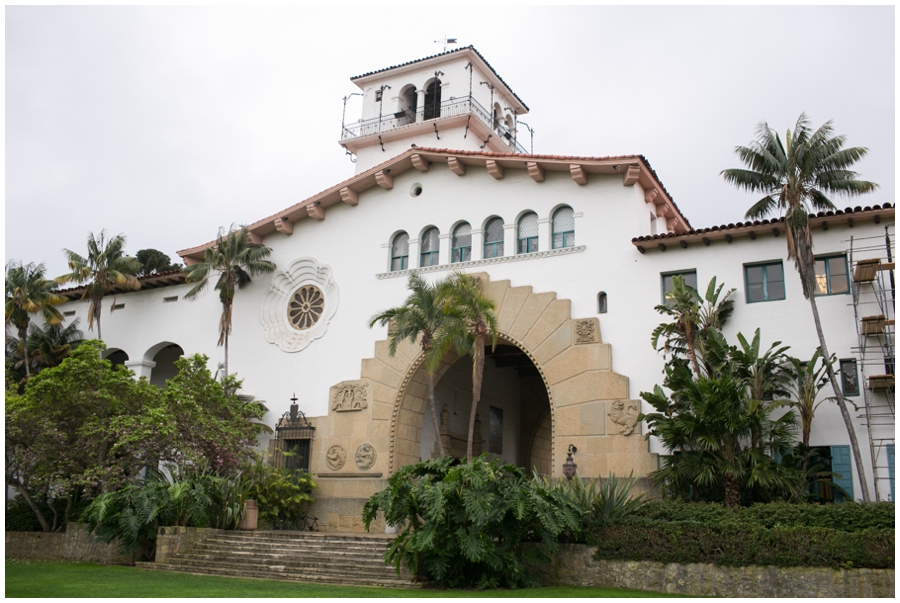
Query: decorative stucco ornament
x=336, y=457
x=299, y=304
x=365, y=456
x=350, y=395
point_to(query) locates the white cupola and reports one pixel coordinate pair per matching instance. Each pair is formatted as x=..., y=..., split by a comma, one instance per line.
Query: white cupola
x=453, y=100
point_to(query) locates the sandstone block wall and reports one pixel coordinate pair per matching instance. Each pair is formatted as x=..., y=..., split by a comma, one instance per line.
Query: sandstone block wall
x=76, y=544
x=574, y=565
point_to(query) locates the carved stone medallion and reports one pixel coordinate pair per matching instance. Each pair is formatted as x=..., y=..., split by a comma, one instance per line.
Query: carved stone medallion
x=587, y=330
x=336, y=457
x=365, y=456
x=350, y=395
x=624, y=414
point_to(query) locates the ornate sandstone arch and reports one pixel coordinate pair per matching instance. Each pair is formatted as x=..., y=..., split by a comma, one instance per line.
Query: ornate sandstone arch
x=589, y=402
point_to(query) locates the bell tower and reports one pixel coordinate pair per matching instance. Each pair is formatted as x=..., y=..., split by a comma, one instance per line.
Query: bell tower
x=451, y=100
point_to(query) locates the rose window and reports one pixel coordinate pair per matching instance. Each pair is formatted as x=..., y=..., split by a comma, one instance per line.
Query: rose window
x=306, y=307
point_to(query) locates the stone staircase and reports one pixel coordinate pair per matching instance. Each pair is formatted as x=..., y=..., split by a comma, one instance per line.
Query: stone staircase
x=323, y=558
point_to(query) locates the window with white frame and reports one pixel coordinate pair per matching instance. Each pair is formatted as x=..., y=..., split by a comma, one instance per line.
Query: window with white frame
x=462, y=243
x=430, y=248
x=563, y=228
x=527, y=233
x=400, y=252
x=493, y=238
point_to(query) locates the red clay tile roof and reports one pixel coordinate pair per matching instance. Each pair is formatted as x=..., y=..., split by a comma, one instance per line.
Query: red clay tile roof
x=848, y=211
x=440, y=54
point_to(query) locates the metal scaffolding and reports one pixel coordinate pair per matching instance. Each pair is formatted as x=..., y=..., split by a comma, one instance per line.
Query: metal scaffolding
x=874, y=293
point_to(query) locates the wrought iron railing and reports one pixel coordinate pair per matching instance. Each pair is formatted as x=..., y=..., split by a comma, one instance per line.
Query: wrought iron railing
x=449, y=108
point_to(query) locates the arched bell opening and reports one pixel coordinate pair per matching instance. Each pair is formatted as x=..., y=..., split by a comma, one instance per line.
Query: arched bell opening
x=432, y=103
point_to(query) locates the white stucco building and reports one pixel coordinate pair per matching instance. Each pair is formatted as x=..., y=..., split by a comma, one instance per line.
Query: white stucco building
x=575, y=252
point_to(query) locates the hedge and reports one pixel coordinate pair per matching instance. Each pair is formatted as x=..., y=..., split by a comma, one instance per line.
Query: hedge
x=741, y=544
x=847, y=517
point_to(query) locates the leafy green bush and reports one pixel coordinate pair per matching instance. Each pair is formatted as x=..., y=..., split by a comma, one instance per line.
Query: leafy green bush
x=737, y=543
x=464, y=524
x=194, y=498
x=282, y=495
x=847, y=517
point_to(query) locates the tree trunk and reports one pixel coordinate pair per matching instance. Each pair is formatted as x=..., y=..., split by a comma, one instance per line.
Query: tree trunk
x=839, y=398
x=226, y=354
x=24, y=492
x=437, y=425
x=23, y=337
x=732, y=491
x=477, y=374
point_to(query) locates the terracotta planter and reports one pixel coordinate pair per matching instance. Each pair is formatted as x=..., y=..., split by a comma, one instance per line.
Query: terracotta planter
x=250, y=520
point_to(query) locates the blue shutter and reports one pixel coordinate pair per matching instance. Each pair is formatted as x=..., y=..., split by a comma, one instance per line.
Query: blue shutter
x=890, y=453
x=842, y=464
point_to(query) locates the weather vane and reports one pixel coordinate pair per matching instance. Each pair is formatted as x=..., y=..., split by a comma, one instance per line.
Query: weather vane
x=446, y=41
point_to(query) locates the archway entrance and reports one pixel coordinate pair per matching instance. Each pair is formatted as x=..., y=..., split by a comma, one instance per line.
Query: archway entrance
x=514, y=418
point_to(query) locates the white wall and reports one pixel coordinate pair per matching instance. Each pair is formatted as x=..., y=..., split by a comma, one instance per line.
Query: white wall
x=352, y=241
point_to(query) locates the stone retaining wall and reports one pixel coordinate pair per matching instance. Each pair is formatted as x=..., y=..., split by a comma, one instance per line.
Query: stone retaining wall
x=75, y=544
x=574, y=565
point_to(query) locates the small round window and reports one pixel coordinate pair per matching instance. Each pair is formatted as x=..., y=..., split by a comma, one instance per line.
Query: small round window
x=306, y=307
x=415, y=190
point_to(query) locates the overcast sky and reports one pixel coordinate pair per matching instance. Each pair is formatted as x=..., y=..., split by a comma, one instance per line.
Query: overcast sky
x=165, y=123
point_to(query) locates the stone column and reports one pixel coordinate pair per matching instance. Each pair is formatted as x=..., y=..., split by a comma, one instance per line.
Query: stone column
x=413, y=254
x=444, y=249
x=420, y=106
x=141, y=368
x=477, y=244
x=545, y=235
x=509, y=239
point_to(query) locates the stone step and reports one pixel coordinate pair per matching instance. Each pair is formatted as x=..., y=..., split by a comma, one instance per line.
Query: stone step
x=292, y=560
x=260, y=574
x=291, y=548
x=315, y=566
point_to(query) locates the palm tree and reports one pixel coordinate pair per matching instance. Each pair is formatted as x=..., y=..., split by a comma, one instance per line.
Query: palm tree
x=419, y=318
x=236, y=260
x=28, y=292
x=795, y=178
x=472, y=318
x=106, y=269
x=51, y=344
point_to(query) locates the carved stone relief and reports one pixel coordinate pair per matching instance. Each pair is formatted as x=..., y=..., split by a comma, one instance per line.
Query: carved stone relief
x=624, y=414
x=587, y=330
x=365, y=456
x=336, y=457
x=351, y=395
x=299, y=304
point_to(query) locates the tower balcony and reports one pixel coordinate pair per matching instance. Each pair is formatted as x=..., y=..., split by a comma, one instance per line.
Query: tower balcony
x=459, y=109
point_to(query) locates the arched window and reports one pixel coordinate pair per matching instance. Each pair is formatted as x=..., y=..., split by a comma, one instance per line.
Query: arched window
x=462, y=243
x=601, y=302
x=493, y=238
x=400, y=252
x=430, y=248
x=408, y=101
x=527, y=233
x=563, y=228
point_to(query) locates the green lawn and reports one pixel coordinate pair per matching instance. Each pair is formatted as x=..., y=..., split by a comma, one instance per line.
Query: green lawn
x=46, y=579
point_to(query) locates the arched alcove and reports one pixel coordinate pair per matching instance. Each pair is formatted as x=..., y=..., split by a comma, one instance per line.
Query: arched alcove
x=115, y=356
x=162, y=358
